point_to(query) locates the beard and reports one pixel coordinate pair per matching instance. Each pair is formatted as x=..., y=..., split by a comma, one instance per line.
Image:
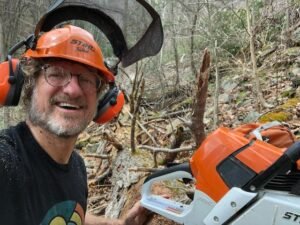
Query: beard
x=65, y=127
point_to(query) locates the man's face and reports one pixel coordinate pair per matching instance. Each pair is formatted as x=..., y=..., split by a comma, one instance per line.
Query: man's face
x=64, y=110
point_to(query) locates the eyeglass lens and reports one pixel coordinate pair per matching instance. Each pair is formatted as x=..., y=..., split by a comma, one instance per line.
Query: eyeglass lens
x=57, y=76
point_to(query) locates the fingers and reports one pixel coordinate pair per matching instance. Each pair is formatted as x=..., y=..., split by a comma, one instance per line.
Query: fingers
x=137, y=215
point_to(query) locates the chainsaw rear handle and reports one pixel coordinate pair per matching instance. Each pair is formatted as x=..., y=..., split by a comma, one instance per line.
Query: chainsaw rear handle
x=284, y=164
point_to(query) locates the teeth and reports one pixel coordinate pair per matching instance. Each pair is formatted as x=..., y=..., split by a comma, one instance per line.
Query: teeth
x=69, y=106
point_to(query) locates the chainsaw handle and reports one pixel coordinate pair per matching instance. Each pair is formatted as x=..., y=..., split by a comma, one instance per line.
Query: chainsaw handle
x=170, y=173
x=184, y=167
x=166, y=207
x=293, y=152
x=188, y=214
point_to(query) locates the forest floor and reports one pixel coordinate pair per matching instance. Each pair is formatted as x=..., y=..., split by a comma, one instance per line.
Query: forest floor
x=115, y=174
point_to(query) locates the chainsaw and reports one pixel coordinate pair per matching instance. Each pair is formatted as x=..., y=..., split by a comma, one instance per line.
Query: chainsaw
x=237, y=182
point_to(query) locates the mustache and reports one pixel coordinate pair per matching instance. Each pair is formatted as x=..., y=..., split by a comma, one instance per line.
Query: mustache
x=65, y=98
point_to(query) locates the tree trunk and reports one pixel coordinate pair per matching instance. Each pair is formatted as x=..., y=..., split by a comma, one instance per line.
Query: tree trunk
x=217, y=88
x=174, y=45
x=197, y=126
x=193, y=30
x=260, y=99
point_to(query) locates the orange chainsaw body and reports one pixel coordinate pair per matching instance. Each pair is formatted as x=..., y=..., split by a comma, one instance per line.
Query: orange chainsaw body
x=226, y=159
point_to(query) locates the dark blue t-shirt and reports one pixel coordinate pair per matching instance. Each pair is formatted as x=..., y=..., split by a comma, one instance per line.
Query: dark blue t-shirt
x=34, y=189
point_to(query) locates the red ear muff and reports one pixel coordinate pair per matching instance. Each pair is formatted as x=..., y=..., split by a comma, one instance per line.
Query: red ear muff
x=11, y=76
x=110, y=105
x=11, y=82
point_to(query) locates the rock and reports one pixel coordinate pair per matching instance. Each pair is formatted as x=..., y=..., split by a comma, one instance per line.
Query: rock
x=296, y=71
x=228, y=85
x=296, y=36
x=224, y=98
x=251, y=117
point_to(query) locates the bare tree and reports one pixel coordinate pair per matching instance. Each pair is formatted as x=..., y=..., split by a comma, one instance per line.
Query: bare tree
x=250, y=20
x=135, y=101
x=217, y=88
x=174, y=45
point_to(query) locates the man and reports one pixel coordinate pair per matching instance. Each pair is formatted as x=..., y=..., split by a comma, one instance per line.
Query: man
x=43, y=181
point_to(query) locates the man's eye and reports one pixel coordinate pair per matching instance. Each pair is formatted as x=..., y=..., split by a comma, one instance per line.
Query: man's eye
x=87, y=81
x=56, y=76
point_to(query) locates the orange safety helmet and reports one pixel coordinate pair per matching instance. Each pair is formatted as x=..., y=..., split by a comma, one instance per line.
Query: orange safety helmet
x=73, y=43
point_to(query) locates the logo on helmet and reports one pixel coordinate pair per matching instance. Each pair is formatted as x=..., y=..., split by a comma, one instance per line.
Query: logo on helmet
x=82, y=46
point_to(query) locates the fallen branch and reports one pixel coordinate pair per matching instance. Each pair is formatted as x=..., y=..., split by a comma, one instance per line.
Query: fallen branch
x=143, y=169
x=167, y=150
x=157, y=128
x=144, y=129
x=153, y=121
x=99, y=209
x=156, y=150
x=168, y=115
x=97, y=156
x=103, y=175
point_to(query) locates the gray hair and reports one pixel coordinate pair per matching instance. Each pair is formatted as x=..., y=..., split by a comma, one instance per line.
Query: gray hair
x=31, y=70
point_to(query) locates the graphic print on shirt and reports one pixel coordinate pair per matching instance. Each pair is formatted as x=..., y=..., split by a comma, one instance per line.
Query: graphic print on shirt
x=64, y=213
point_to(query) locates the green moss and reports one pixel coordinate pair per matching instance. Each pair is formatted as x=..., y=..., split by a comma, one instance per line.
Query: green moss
x=279, y=116
x=291, y=103
x=289, y=93
x=241, y=97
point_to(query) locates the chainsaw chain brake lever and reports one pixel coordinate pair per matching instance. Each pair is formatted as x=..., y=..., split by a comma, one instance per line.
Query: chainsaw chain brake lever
x=283, y=164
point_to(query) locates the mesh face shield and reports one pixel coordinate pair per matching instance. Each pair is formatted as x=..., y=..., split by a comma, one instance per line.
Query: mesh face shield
x=132, y=27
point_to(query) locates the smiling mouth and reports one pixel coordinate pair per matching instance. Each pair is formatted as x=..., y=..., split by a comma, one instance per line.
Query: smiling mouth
x=68, y=106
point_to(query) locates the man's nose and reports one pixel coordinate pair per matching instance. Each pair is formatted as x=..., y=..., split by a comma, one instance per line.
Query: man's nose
x=73, y=88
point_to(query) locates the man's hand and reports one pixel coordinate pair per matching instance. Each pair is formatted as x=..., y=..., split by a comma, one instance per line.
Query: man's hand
x=138, y=215
x=135, y=216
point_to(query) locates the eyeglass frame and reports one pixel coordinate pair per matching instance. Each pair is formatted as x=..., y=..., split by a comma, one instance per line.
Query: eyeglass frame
x=69, y=75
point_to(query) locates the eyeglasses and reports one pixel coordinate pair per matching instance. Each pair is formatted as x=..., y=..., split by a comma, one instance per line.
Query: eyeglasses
x=57, y=76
